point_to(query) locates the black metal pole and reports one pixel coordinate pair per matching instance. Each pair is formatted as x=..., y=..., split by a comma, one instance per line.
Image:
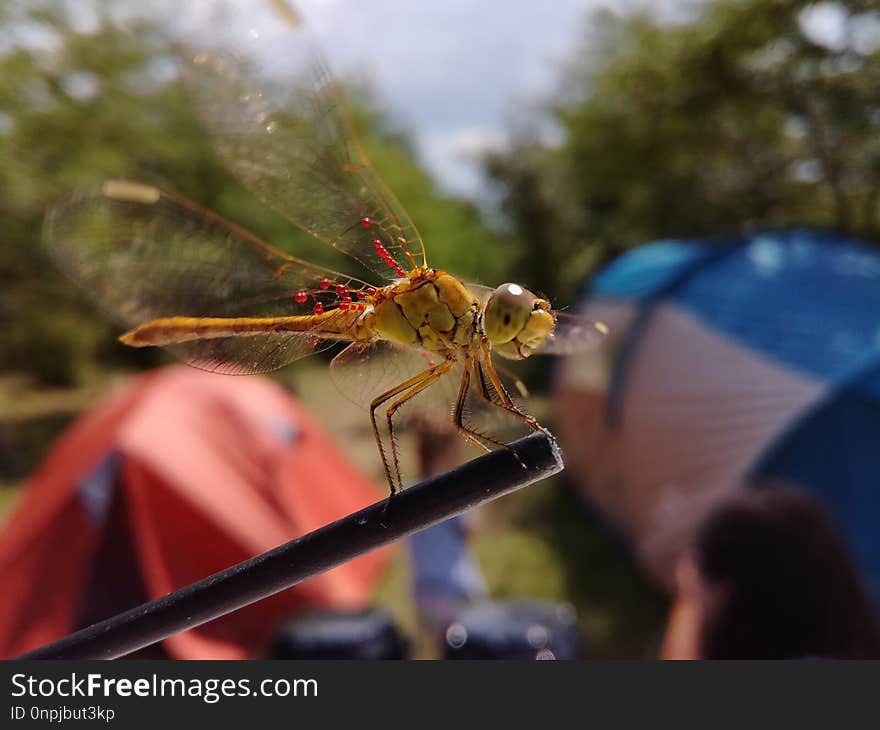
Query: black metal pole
x=434, y=500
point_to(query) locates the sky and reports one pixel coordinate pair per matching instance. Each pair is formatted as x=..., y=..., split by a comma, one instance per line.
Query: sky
x=451, y=74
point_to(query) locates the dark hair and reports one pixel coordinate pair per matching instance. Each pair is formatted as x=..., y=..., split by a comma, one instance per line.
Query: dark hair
x=787, y=585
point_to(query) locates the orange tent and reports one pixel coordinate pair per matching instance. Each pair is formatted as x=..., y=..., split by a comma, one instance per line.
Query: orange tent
x=180, y=474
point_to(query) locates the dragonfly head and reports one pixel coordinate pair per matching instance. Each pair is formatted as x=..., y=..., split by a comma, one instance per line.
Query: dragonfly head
x=516, y=321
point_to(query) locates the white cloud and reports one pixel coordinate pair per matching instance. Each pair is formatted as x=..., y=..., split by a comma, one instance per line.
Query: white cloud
x=454, y=156
x=825, y=24
x=866, y=33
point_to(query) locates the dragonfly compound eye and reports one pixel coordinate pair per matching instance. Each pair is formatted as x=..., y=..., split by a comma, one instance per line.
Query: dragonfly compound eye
x=507, y=312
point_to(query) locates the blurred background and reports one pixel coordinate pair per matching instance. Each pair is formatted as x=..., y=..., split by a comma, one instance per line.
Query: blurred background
x=538, y=145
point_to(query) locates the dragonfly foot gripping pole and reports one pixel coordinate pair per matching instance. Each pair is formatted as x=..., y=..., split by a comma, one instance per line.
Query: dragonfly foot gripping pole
x=433, y=500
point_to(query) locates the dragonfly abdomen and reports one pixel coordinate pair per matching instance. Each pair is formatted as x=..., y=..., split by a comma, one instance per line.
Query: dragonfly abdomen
x=335, y=324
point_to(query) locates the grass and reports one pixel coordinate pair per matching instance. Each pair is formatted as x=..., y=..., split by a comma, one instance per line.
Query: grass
x=541, y=542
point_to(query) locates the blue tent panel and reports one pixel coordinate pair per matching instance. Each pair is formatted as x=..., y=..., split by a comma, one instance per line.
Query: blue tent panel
x=650, y=269
x=834, y=452
x=807, y=299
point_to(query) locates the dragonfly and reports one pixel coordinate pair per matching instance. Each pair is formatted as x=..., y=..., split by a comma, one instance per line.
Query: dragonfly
x=182, y=277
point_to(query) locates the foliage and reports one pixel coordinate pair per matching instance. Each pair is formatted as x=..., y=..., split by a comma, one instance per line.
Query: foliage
x=736, y=121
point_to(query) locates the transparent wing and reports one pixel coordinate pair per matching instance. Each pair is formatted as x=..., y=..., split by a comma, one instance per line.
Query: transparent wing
x=281, y=126
x=363, y=371
x=248, y=355
x=480, y=291
x=142, y=253
x=572, y=334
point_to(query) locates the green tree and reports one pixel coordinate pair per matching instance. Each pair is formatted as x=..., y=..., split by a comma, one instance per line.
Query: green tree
x=735, y=121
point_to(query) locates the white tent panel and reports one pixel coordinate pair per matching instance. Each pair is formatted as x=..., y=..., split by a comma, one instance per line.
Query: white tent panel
x=697, y=409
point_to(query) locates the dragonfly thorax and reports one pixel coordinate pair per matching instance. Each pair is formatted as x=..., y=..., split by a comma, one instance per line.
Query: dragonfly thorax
x=431, y=309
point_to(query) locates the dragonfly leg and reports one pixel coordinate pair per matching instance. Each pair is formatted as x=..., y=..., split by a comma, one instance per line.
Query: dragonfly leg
x=484, y=369
x=473, y=437
x=520, y=386
x=507, y=405
x=430, y=377
x=384, y=398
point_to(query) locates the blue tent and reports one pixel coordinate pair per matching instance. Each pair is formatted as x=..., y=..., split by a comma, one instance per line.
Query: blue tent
x=730, y=360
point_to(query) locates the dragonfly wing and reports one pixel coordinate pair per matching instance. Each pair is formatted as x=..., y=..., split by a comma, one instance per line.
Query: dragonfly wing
x=573, y=334
x=248, y=355
x=284, y=132
x=142, y=253
x=364, y=371
x=480, y=291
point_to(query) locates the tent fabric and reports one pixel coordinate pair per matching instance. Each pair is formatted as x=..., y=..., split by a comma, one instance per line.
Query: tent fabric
x=805, y=298
x=178, y=475
x=687, y=432
x=831, y=448
x=729, y=360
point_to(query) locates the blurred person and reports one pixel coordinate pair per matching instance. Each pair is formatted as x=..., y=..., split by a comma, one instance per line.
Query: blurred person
x=446, y=574
x=768, y=576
